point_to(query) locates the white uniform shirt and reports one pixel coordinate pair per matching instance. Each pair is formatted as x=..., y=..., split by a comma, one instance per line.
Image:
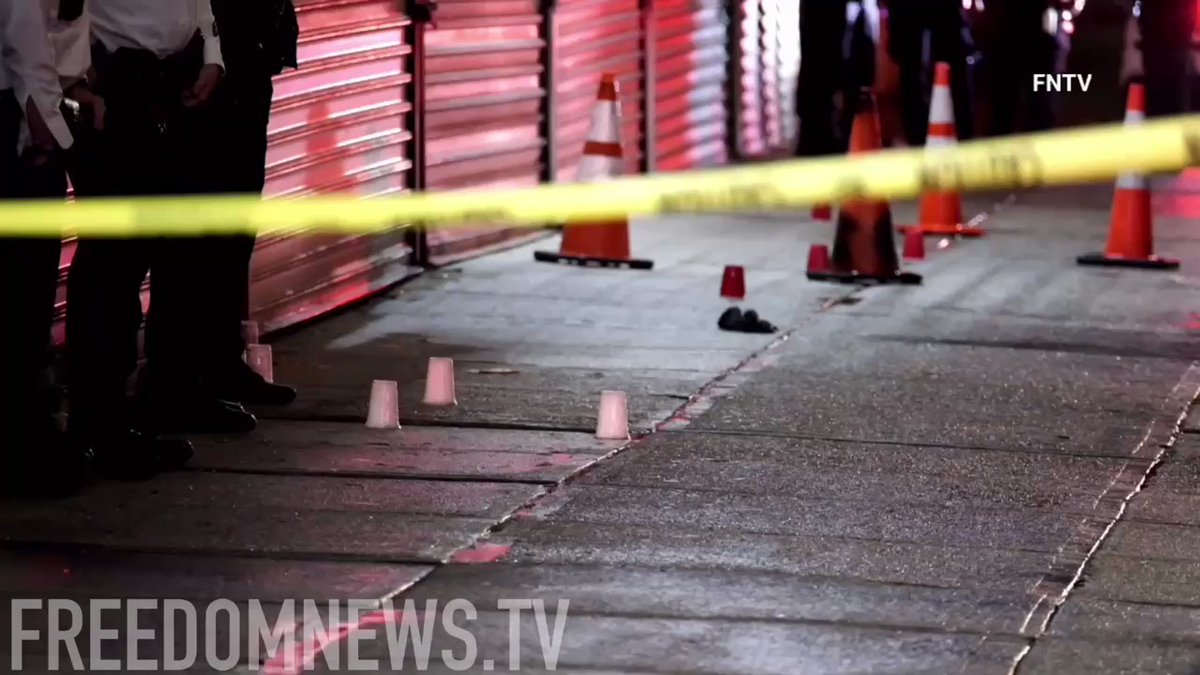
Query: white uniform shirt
x=72, y=42
x=164, y=27
x=40, y=54
x=871, y=8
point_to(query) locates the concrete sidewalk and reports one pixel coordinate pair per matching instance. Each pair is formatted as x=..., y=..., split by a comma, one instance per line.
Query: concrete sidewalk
x=933, y=479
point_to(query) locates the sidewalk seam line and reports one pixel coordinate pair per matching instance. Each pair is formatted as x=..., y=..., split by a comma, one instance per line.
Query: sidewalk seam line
x=1053, y=599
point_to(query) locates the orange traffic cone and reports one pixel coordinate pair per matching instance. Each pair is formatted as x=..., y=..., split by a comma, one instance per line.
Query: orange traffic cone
x=1131, y=233
x=941, y=212
x=604, y=244
x=864, y=249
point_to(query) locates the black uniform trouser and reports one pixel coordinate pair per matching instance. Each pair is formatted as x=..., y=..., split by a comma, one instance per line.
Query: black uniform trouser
x=150, y=145
x=244, y=107
x=28, y=279
x=946, y=44
x=1166, y=27
x=822, y=29
x=1019, y=52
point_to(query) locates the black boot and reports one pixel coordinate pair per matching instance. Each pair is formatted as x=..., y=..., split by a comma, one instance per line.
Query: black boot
x=176, y=406
x=131, y=455
x=240, y=383
x=194, y=415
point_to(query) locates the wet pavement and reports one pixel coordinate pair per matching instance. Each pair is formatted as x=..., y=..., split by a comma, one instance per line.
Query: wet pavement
x=989, y=473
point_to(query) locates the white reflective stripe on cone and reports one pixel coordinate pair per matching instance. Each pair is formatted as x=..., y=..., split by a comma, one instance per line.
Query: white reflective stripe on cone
x=1134, y=117
x=1132, y=181
x=606, y=123
x=596, y=168
x=940, y=142
x=941, y=108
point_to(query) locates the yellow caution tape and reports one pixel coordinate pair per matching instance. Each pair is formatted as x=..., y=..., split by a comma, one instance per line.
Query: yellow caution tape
x=1057, y=158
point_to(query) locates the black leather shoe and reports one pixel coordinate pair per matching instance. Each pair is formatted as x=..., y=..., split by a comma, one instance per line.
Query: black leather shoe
x=195, y=415
x=245, y=386
x=46, y=464
x=173, y=453
x=135, y=456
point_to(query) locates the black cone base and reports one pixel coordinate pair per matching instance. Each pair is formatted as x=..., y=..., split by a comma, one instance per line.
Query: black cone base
x=584, y=261
x=900, y=278
x=1152, y=263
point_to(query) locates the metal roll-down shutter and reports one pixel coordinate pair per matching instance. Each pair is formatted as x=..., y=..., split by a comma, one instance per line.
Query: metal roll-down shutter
x=483, y=109
x=751, y=80
x=338, y=126
x=768, y=39
x=691, y=84
x=788, y=54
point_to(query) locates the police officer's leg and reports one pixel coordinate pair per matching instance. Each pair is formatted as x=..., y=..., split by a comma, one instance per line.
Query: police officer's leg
x=1008, y=87
x=914, y=104
x=104, y=314
x=173, y=394
x=822, y=28
x=104, y=304
x=949, y=43
x=173, y=397
x=1038, y=57
x=963, y=93
x=907, y=24
x=815, y=108
x=247, y=108
x=103, y=319
x=36, y=458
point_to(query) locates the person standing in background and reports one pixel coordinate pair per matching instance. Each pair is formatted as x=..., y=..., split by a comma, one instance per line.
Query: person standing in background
x=1020, y=47
x=258, y=41
x=887, y=84
x=924, y=32
x=838, y=40
x=859, y=59
x=158, y=64
x=43, y=50
x=822, y=28
x=1166, y=27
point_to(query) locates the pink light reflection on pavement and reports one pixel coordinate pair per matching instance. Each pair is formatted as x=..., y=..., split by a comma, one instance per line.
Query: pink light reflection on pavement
x=306, y=655
x=480, y=553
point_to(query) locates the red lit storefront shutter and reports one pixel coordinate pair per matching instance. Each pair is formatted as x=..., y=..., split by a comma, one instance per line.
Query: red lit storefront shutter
x=789, y=54
x=750, y=84
x=691, y=100
x=593, y=37
x=483, y=109
x=768, y=39
x=339, y=125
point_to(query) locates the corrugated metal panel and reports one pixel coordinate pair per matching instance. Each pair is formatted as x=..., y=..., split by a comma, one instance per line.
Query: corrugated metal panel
x=752, y=84
x=772, y=94
x=338, y=125
x=769, y=64
x=788, y=25
x=483, y=107
x=594, y=37
x=691, y=84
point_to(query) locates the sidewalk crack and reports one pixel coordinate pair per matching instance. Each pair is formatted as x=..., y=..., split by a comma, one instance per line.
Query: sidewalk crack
x=1071, y=562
